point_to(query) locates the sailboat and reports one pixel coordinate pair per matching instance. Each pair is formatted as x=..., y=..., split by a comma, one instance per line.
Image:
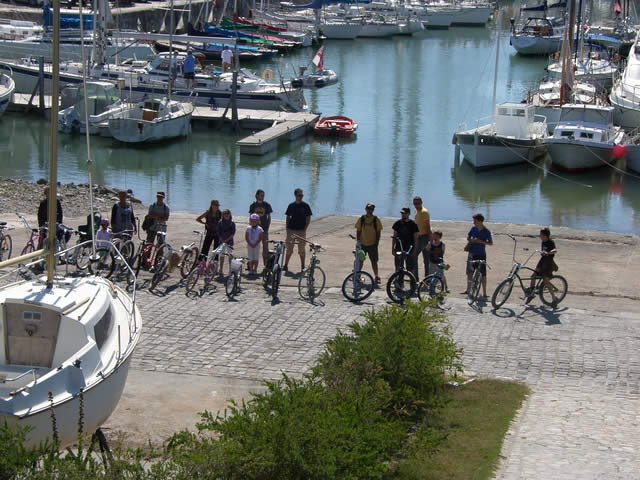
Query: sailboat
x=66, y=343
x=320, y=77
x=515, y=134
x=7, y=87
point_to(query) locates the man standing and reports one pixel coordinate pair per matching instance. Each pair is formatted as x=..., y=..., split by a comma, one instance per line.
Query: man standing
x=122, y=217
x=189, y=69
x=406, y=231
x=43, y=212
x=298, y=218
x=159, y=214
x=264, y=210
x=423, y=220
x=227, y=58
x=368, y=230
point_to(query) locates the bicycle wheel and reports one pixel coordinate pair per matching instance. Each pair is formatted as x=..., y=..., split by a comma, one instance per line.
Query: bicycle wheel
x=162, y=254
x=188, y=261
x=6, y=248
x=159, y=274
x=127, y=251
x=476, y=282
x=105, y=264
x=358, y=286
x=231, y=286
x=559, y=290
x=83, y=257
x=311, y=283
x=275, y=281
x=401, y=285
x=501, y=294
x=28, y=248
x=266, y=277
x=431, y=287
x=192, y=279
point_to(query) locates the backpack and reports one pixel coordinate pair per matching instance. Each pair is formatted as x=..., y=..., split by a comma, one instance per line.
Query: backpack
x=375, y=222
x=148, y=221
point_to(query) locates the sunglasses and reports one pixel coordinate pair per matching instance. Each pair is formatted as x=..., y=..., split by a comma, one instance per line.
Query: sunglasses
x=369, y=208
x=299, y=196
x=417, y=203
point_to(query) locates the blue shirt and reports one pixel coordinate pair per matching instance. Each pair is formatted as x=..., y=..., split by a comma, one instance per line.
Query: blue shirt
x=189, y=64
x=484, y=235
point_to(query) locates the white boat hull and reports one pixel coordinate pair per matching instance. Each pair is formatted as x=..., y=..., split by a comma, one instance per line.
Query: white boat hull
x=435, y=19
x=489, y=151
x=373, y=30
x=130, y=130
x=633, y=158
x=341, y=31
x=21, y=49
x=575, y=156
x=472, y=15
x=626, y=113
x=7, y=87
x=535, y=45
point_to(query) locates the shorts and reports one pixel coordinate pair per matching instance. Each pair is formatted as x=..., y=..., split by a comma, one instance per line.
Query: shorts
x=372, y=252
x=189, y=75
x=471, y=266
x=291, y=239
x=544, y=268
x=253, y=253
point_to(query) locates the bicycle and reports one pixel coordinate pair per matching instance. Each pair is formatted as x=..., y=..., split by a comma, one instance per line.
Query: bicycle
x=206, y=267
x=189, y=255
x=551, y=293
x=313, y=279
x=6, y=244
x=232, y=286
x=358, y=285
x=153, y=257
x=473, y=289
x=34, y=236
x=433, y=286
x=123, y=251
x=272, y=272
x=402, y=283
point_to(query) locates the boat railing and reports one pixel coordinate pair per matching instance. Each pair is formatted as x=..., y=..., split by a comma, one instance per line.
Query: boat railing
x=24, y=374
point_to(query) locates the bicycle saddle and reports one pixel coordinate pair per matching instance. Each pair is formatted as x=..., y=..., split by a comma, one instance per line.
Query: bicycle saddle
x=2, y=224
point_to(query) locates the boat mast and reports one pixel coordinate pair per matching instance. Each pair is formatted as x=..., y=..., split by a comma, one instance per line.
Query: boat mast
x=566, y=78
x=53, y=147
x=495, y=73
x=173, y=60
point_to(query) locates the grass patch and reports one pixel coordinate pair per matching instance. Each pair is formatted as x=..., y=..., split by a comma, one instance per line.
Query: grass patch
x=463, y=439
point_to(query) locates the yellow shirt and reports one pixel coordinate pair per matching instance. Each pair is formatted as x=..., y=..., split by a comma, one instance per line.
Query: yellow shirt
x=368, y=235
x=422, y=216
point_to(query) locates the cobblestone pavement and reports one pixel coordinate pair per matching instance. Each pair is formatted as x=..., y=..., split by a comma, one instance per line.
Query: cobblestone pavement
x=581, y=421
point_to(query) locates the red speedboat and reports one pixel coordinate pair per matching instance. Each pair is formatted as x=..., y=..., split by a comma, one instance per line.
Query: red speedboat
x=337, y=126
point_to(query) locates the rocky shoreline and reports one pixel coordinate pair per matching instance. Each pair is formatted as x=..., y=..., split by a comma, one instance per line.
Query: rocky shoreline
x=24, y=197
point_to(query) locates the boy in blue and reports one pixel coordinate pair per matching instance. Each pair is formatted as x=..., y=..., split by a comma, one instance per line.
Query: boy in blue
x=479, y=237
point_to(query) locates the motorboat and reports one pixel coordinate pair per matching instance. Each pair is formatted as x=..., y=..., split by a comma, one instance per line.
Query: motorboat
x=514, y=135
x=152, y=121
x=103, y=102
x=337, y=126
x=7, y=87
x=410, y=25
x=540, y=29
x=625, y=94
x=320, y=77
x=584, y=137
x=66, y=352
x=547, y=99
x=17, y=29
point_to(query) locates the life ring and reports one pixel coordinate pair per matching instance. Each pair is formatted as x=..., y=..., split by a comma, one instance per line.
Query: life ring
x=268, y=75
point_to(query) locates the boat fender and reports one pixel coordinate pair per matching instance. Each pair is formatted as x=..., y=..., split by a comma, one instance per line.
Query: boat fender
x=268, y=74
x=296, y=83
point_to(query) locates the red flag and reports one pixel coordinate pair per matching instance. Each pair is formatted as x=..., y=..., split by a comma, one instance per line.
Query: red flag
x=318, y=60
x=616, y=7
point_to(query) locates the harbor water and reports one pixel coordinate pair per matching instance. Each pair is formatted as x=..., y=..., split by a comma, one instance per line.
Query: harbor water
x=408, y=95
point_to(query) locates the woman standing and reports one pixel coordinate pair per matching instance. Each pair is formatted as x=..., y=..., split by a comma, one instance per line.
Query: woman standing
x=210, y=220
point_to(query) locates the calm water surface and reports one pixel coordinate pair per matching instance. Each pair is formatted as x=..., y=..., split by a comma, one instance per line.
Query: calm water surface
x=408, y=96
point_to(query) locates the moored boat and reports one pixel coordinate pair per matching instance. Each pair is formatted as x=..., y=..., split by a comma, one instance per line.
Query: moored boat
x=337, y=125
x=7, y=87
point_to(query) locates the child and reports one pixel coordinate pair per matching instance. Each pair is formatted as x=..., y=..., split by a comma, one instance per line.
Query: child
x=436, y=254
x=546, y=265
x=253, y=236
x=225, y=229
x=103, y=237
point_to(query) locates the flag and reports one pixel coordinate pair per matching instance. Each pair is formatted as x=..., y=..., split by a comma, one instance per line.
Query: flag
x=318, y=60
x=616, y=7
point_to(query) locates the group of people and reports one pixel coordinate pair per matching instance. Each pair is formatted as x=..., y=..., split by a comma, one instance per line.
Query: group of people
x=189, y=66
x=412, y=235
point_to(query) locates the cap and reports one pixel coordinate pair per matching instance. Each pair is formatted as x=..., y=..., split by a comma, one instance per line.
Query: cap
x=405, y=210
x=370, y=205
x=104, y=221
x=254, y=216
x=160, y=194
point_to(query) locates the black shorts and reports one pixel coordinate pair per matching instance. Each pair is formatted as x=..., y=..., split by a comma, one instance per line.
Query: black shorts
x=482, y=266
x=372, y=252
x=544, y=268
x=189, y=75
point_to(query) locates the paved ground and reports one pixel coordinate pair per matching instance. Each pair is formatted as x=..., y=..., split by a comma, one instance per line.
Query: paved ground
x=580, y=360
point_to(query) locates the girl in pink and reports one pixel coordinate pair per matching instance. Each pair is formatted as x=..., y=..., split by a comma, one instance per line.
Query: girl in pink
x=253, y=236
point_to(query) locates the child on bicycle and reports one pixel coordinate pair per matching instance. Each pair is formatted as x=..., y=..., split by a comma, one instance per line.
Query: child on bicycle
x=253, y=236
x=103, y=237
x=436, y=254
x=546, y=265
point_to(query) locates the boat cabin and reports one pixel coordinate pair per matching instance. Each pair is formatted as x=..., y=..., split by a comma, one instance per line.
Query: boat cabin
x=586, y=123
x=514, y=119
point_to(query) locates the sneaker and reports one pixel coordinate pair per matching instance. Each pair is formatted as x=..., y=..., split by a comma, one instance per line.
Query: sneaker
x=285, y=269
x=554, y=304
x=378, y=281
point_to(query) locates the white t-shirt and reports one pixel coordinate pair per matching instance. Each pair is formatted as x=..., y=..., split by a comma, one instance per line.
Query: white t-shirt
x=253, y=234
x=227, y=55
x=103, y=237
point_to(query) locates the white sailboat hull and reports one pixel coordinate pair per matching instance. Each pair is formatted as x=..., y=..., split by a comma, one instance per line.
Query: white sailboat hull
x=377, y=30
x=7, y=87
x=341, y=31
x=535, y=45
x=130, y=130
x=473, y=15
x=15, y=49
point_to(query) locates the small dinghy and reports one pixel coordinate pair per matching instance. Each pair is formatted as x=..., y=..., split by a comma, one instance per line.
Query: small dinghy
x=336, y=126
x=320, y=77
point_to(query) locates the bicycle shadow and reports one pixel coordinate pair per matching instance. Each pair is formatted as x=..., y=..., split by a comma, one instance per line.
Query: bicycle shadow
x=551, y=316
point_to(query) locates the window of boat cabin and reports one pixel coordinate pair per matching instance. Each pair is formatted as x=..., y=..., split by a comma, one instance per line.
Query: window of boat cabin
x=103, y=328
x=586, y=135
x=155, y=106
